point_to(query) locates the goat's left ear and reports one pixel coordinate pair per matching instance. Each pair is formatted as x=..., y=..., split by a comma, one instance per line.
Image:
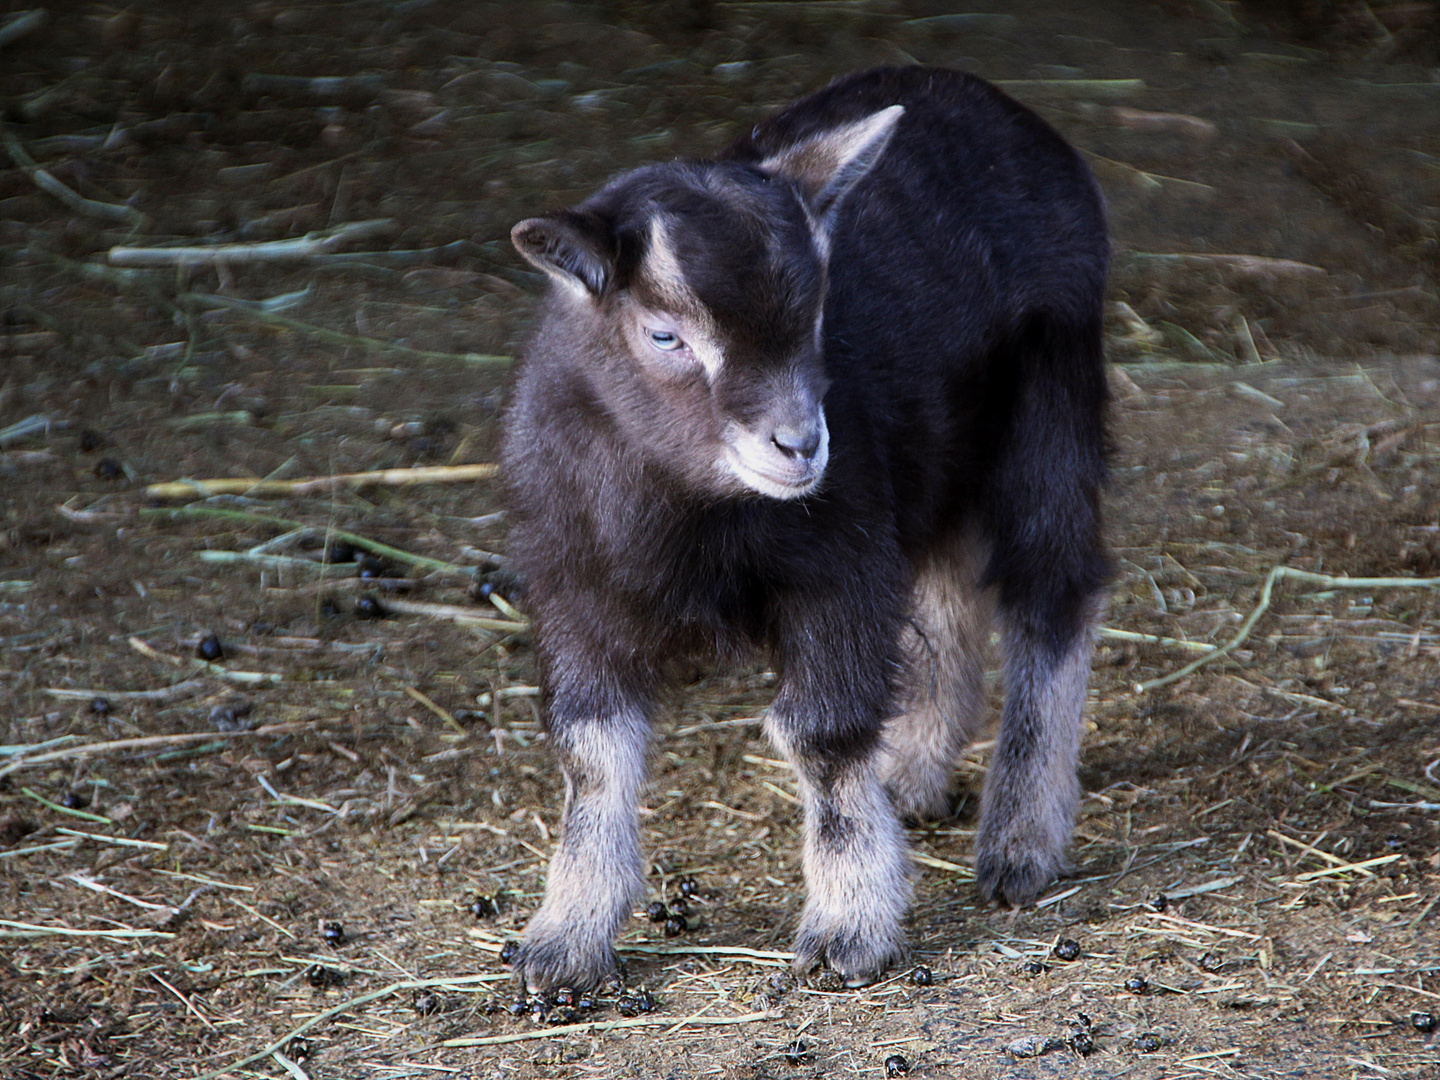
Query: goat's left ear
x=826, y=166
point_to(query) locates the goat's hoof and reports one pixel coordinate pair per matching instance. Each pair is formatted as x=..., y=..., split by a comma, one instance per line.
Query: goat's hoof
x=858, y=959
x=545, y=963
x=1016, y=879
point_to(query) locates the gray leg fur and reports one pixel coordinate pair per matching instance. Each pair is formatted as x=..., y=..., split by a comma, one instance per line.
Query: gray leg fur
x=944, y=689
x=596, y=872
x=1028, y=809
x=857, y=869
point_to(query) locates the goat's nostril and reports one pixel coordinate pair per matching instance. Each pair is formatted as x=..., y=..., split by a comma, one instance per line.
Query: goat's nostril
x=797, y=442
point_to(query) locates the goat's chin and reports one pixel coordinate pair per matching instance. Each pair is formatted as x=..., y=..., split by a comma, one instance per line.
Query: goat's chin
x=776, y=480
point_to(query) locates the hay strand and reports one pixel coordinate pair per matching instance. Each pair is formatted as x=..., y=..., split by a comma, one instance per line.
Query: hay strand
x=320, y=485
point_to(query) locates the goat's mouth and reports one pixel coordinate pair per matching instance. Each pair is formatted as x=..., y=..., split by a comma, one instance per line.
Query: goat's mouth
x=772, y=472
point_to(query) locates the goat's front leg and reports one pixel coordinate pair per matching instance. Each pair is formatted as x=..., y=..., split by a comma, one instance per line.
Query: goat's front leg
x=827, y=721
x=595, y=873
x=857, y=869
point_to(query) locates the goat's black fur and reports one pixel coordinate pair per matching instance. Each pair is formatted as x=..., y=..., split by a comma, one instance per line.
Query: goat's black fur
x=963, y=391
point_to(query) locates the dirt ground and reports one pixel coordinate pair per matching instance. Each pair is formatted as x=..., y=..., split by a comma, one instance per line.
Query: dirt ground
x=286, y=859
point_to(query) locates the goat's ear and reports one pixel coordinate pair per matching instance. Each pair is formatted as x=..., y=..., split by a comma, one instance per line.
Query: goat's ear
x=575, y=249
x=826, y=166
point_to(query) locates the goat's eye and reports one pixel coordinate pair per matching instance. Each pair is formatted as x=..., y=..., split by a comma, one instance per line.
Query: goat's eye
x=665, y=340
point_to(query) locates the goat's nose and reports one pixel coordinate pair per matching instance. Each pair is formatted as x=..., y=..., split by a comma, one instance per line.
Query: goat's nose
x=797, y=441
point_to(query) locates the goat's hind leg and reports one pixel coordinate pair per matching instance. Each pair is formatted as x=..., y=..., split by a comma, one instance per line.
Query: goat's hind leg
x=1031, y=792
x=943, y=693
x=1048, y=564
x=596, y=871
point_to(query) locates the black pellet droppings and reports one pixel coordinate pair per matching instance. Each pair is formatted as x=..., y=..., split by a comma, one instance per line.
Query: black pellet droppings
x=90, y=441
x=687, y=886
x=657, y=912
x=565, y=996
x=646, y=1001
x=1067, y=949
x=329, y=609
x=1211, y=962
x=425, y=1003
x=1161, y=902
x=1423, y=1021
x=895, y=1065
x=320, y=976
x=339, y=551
x=519, y=1007
x=678, y=906
x=584, y=1002
x=675, y=925
x=1081, y=1041
x=298, y=1049
x=372, y=566
x=797, y=1053
x=1148, y=1043
x=1035, y=967
x=562, y=1016
x=1136, y=984
x=75, y=800
x=508, y=953
x=627, y=1006
x=539, y=1009
x=210, y=648
x=333, y=931
x=109, y=469
x=484, y=907
x=367, y=607
x=922, y=976
x=99, y=705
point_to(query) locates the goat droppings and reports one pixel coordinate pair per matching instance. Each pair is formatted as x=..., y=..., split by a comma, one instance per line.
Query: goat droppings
x=895, y=1065
x=367, y=607
x=1067, y=949
x=322, y=977
x=797, y=1053
x=210, y=648
x=922, y=976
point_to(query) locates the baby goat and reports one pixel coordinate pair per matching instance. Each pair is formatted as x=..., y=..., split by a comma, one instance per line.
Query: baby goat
x=835, y=395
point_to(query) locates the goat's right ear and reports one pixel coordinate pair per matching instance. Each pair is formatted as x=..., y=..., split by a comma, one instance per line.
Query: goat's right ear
x=575, y=249
x=826, y=166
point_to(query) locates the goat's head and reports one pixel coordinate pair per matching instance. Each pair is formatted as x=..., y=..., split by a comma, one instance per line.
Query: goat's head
x=694, y=292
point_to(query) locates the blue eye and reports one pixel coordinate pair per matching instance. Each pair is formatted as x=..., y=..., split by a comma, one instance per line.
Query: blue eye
x=665, y=339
